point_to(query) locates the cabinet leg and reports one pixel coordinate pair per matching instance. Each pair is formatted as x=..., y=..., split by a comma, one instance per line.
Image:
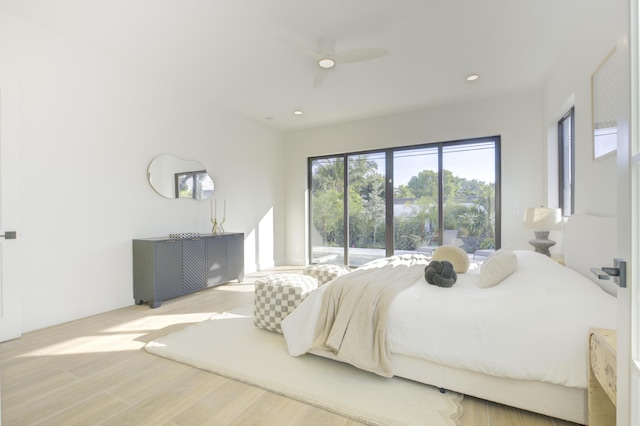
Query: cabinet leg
x=155, y=303
x=139, y=301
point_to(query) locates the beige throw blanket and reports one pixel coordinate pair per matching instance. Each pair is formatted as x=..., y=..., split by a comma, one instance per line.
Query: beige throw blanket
x=355, y=310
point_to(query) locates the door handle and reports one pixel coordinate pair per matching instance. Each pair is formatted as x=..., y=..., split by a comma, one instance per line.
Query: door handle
x=618, y=272
x=9, y=235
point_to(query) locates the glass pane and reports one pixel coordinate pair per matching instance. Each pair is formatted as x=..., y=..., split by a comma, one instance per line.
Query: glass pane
x=415, y=200
x=204, y=186
x=327, y=211
x=566, y=135
x=184, y=185
x=469, y=196
x=366, y=208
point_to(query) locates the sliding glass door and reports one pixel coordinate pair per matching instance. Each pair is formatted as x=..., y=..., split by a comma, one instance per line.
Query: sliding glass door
x=405, y=200
x=327, y=235
x=415, y=199
x=469, y=196
x=367, y=209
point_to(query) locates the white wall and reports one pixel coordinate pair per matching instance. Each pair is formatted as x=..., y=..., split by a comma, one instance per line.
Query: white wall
x=570, y=85
x=517, y=119
x=89, y=127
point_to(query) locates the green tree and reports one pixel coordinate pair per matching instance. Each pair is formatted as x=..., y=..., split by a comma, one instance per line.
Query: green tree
x=424, y=185
x=327, y=214
x=374, y=207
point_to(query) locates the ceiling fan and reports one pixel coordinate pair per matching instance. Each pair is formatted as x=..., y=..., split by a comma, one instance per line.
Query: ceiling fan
x=327, y=58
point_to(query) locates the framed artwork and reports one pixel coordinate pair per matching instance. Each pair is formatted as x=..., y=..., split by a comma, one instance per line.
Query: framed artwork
x=604, y=109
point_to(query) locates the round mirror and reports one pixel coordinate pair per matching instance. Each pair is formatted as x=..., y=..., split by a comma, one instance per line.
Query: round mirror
x=173, y=177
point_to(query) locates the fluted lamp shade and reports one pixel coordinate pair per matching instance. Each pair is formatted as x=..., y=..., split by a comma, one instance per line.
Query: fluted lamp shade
x=542, y=220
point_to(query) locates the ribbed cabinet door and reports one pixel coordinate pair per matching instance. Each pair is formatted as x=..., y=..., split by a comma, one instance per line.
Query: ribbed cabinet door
x=235, y=257
x=216, y=260
x=194, y=265
x=168, y=269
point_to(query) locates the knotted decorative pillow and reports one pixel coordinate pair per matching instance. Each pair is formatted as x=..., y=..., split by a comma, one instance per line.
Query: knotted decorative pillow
x=440, y=273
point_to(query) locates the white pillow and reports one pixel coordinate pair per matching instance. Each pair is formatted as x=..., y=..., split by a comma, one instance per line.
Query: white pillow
x=497, y=267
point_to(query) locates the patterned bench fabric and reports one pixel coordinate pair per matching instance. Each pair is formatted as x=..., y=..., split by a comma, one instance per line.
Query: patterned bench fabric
x=325, y=272
x=277, y=295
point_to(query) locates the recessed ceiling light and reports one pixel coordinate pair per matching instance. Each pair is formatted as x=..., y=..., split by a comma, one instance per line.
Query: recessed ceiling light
x=297, y=112
x=473, y=77
x=326, y=63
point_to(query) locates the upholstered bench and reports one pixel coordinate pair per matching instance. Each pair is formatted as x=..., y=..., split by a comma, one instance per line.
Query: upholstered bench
x=277, y=295
x=325, y=272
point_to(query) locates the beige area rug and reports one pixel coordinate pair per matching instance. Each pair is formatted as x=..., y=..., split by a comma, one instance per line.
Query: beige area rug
x=230, y=345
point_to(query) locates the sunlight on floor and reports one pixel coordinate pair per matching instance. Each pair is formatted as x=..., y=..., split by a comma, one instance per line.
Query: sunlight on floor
x=157, y=322
x=128, y=336
x=244, y=288
x=91, y=344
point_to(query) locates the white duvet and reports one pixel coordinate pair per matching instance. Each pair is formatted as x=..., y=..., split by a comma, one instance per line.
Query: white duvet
x=532, y=326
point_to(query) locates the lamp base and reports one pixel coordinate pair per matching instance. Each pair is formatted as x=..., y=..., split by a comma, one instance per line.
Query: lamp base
x=542, y=243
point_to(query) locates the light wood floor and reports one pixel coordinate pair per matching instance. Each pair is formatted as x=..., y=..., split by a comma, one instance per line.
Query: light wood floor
x=94, y=371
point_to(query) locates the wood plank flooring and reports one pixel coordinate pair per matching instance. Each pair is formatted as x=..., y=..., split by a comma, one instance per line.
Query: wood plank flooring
x=94, y=371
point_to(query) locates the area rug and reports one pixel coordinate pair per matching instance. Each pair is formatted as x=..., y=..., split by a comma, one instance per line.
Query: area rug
x=231, y=346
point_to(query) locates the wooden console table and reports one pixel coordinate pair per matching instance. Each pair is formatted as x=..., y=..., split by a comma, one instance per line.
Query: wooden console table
x=602, y=377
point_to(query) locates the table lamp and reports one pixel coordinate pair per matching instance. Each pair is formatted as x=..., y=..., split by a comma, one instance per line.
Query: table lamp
x=542, y=220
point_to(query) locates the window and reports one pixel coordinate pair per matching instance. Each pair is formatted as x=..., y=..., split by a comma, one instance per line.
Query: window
x=566, y=155
x=404, y=200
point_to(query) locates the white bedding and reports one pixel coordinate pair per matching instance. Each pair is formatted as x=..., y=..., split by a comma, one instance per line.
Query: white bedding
x=531, y=326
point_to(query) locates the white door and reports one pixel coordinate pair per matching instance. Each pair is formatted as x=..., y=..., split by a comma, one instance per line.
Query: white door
x=628, y=155
x=10, y=300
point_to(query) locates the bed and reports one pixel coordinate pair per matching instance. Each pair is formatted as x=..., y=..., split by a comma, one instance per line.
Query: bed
x=521, y=342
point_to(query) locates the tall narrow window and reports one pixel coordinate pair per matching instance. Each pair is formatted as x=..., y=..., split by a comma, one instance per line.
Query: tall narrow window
x=566, y=155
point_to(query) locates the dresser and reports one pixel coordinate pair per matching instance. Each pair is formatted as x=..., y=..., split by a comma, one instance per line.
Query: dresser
x=169, y=267
x=602, y=377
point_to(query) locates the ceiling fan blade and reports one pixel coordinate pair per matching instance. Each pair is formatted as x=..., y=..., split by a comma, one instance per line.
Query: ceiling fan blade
x=310, y=53
x=327, y=46
x=321, y=76
x=302, y=50
x=359, y=55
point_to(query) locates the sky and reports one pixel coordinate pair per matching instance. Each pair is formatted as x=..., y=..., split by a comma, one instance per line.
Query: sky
x=478, y=163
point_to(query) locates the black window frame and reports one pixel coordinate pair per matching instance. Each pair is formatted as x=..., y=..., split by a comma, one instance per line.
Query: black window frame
x=389, y=186
x=565, y=149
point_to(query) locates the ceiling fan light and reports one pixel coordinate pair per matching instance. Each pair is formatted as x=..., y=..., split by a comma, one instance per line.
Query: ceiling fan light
x=326, y=63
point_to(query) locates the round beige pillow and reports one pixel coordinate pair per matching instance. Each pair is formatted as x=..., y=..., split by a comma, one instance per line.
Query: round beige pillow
x=458, y=257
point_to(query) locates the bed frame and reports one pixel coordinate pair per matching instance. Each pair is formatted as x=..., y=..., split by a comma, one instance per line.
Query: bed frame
x=539, y=397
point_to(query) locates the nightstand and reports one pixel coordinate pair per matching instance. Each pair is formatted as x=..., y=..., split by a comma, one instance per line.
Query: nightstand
x=602, y=377
x=558, y=258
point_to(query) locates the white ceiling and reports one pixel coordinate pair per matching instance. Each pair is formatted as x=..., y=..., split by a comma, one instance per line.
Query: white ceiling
x=243, y=54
